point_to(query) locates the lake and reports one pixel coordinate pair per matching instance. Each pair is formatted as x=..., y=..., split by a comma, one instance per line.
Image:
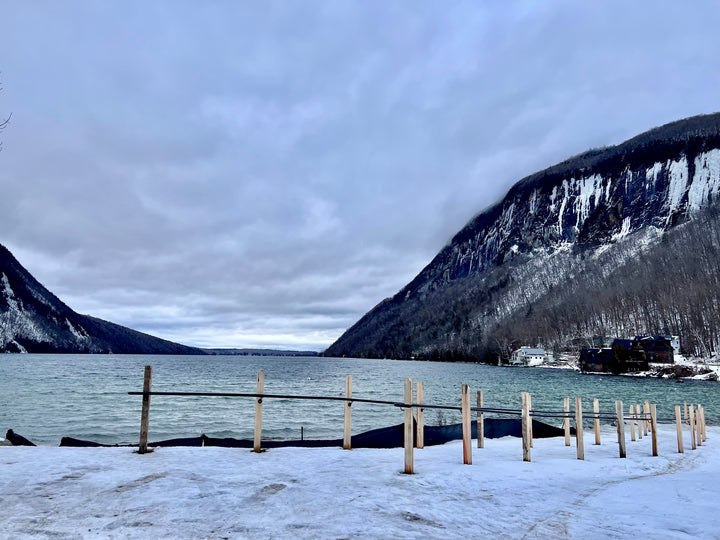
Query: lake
x=46, y=397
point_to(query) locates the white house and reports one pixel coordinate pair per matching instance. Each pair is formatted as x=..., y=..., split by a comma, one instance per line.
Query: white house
x=675, y=342
x=527, y=356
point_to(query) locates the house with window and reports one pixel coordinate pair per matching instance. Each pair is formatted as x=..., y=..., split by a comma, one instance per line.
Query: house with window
x=597, y=360
x=629, y=355
x=658, y=349
x=527, y=356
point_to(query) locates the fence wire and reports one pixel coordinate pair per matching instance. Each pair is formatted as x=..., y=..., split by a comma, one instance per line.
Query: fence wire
x=488, y=410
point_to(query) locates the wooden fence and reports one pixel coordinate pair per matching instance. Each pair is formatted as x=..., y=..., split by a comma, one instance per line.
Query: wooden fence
x=641, y=418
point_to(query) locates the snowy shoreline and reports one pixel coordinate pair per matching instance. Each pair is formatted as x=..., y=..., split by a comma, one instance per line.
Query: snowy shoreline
x=698, y=369
x=334, y=493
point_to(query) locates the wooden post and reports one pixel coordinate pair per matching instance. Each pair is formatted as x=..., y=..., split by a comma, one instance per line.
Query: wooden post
x=420, y=443
x=480, y=421
x=408, y=426
x=638, y=415
x=631, y=418
x=566, y=420
x=646, y=413
x=702, y=423
x=466, y=425
x=145, y=414
x=678, y=425
x=693, y=444
x=525, y=420
x=529, y=423
x=596, y=421
x=347, y=425
x=579, y=428
x=698, y=424
x=620, y=428
x=653, y=426
x=258, y=411
x=687, y=418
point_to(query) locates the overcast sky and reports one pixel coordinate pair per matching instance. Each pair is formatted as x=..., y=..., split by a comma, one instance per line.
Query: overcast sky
x=261, y=174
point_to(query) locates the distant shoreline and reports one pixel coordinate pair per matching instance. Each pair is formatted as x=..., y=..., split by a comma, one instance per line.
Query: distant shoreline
x=258, y=352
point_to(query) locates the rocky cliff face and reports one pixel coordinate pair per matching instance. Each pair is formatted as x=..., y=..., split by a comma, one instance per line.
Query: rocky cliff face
x=600, y=212
x=32, y=319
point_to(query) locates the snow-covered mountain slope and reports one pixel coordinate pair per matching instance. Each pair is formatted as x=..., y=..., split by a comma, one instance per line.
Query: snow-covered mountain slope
x=610, y=213
x=32, y=319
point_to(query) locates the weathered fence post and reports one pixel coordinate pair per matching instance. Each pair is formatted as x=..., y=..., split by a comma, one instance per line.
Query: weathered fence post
x=678, y=425
x=687, y=417
x=631, y=418
x=579, y=428
x=420, y=416
x=699, y=424
x=529, y=423
x=704, y=431
x=596, y=421
x=566, y=420
x=646, y=414
x=408, y=426
x=480, y=421
x=620, y=428
x=640, y=421
x=347, y=424
x=693, y=444
x=258, y=411
x=145, y=414
x=466, y=425
x=525, y=420
x=653, y=426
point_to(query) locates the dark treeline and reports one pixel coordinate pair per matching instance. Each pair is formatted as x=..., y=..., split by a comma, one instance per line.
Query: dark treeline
x=650, y=283
x=669, y=287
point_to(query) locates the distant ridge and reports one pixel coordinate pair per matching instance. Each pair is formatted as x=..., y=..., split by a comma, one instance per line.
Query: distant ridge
x=34, y=320
x=258, y=352
x=616, y=241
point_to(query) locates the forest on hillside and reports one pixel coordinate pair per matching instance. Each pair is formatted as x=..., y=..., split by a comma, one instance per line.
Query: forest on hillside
x=652, y=282
x=668, y=287
x=601, y=244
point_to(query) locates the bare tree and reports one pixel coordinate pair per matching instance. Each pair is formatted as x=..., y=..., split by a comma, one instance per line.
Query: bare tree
x=4, y=123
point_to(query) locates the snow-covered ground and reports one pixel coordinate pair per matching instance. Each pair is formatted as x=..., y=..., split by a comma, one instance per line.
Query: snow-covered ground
x=711, y=365
x=702, y=369
x=333, y=493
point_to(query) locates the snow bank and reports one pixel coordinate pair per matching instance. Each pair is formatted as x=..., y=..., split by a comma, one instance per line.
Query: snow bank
x=334, y=493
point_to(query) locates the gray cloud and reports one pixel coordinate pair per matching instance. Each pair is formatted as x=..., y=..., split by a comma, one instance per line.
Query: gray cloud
x=234, y=175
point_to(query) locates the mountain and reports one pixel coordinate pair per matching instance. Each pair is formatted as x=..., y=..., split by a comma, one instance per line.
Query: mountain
x=617, y=241
x=32, y=319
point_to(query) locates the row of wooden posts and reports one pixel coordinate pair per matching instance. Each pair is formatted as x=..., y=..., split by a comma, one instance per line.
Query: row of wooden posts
x=644, y=418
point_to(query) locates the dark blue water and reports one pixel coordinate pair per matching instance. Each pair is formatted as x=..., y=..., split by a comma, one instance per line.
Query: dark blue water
x=45, y=397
